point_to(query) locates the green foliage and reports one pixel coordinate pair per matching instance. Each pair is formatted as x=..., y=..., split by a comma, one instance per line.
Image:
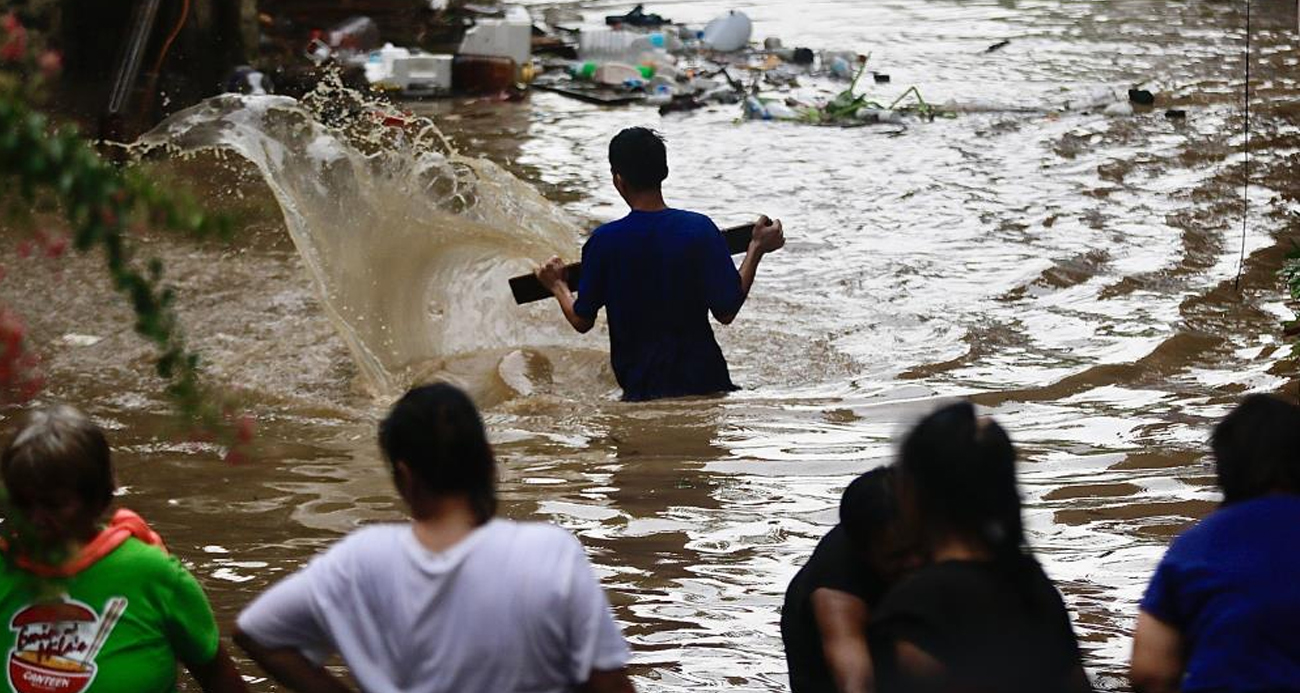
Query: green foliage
x=1290, y=273
x=49, y=167
x=846, y=104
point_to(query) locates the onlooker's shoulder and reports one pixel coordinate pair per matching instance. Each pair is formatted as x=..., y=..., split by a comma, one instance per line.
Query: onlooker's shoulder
x=145, y=565
x=536, y=546
x=1266, y=516
x=365, y=543
x=546, y=537
x=947, y=582
x=144, y=561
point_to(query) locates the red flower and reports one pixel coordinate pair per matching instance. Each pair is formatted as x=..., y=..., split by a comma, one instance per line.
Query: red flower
x=15, y=47
x=19, y=380
x=25, y=249
x=56, y=247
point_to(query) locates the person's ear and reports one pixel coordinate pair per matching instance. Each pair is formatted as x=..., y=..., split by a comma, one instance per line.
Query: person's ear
x=402, y=477
x=106, y=501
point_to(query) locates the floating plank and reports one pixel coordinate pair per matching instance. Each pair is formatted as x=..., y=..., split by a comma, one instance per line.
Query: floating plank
x=600, y=97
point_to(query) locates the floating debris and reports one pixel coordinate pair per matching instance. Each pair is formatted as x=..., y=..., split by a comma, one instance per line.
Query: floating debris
x=1142, y=97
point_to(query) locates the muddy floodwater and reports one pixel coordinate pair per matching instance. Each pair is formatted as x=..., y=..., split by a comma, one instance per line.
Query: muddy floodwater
x=1071, y=271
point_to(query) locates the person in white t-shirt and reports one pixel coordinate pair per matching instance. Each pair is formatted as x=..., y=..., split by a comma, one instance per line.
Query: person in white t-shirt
x=455, y=600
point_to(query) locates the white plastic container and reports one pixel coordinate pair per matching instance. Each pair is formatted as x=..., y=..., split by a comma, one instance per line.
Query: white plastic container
x=392, y=67
x=379, y=64
x=728, y=33
x=423, y=72
x=510, y=37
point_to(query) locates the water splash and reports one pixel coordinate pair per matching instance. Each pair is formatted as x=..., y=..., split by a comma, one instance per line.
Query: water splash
x=408, y=242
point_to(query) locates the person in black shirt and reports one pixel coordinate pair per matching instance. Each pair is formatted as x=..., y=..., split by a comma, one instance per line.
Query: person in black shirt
x=824, y=617
x=981, y=616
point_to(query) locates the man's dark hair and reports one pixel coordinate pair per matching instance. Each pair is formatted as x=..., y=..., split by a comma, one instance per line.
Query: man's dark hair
x=638, y=155
x=437, y=432
x=1257, y=449
x=869, y=505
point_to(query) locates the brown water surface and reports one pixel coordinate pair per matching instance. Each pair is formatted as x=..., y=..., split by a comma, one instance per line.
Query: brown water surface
x=1071, y=271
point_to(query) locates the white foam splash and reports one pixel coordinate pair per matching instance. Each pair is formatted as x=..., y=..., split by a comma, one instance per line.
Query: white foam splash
x=409, y=243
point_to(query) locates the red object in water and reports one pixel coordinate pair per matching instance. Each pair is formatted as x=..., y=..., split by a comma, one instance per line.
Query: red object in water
x=482, y=74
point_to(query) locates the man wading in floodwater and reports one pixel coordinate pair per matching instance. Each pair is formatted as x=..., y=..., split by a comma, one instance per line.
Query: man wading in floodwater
x=659, y=272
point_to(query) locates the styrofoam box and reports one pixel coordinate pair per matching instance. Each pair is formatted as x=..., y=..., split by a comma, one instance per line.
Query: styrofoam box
x=510, y=37
x=423, y=71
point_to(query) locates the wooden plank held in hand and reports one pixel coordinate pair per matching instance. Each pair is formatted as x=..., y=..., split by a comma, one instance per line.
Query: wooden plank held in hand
x=527, y=289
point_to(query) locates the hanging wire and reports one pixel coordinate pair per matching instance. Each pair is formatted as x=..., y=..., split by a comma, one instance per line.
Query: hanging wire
x=1245, y=172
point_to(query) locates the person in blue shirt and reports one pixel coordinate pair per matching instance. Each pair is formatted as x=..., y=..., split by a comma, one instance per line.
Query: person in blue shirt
x=1222, y=611
x=659, y=272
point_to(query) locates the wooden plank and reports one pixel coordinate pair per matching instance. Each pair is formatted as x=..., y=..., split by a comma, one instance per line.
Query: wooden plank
x=527, y=289
x=599, y=97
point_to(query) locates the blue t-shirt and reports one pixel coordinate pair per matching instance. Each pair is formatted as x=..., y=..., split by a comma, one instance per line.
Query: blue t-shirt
x=658, y=274
x=1231, y=586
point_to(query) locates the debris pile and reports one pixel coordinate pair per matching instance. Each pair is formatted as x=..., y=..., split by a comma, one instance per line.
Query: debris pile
x=636, y=58
x=411, y=49
x=643, y=58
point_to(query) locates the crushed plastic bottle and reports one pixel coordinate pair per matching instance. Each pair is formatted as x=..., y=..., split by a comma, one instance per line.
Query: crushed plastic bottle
x=618, y=45
x=868, y=114
x=661, y=95
x=756, y=109
x=841, y=64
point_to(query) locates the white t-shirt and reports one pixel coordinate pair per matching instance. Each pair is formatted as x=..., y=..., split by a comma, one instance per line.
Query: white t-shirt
x=512, y=607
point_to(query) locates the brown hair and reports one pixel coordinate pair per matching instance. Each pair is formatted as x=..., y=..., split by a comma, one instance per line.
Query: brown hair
x=60, y=445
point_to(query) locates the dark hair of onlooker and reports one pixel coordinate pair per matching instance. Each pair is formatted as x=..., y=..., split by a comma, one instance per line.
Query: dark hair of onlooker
x=638, y=155
x=962, y=473
x=868, y=505
x=436, y=430
x=1257, y=449
x=60, y=445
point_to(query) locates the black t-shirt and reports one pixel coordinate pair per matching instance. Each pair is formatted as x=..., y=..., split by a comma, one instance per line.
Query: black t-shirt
x=995, y=629
x=835, y=564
